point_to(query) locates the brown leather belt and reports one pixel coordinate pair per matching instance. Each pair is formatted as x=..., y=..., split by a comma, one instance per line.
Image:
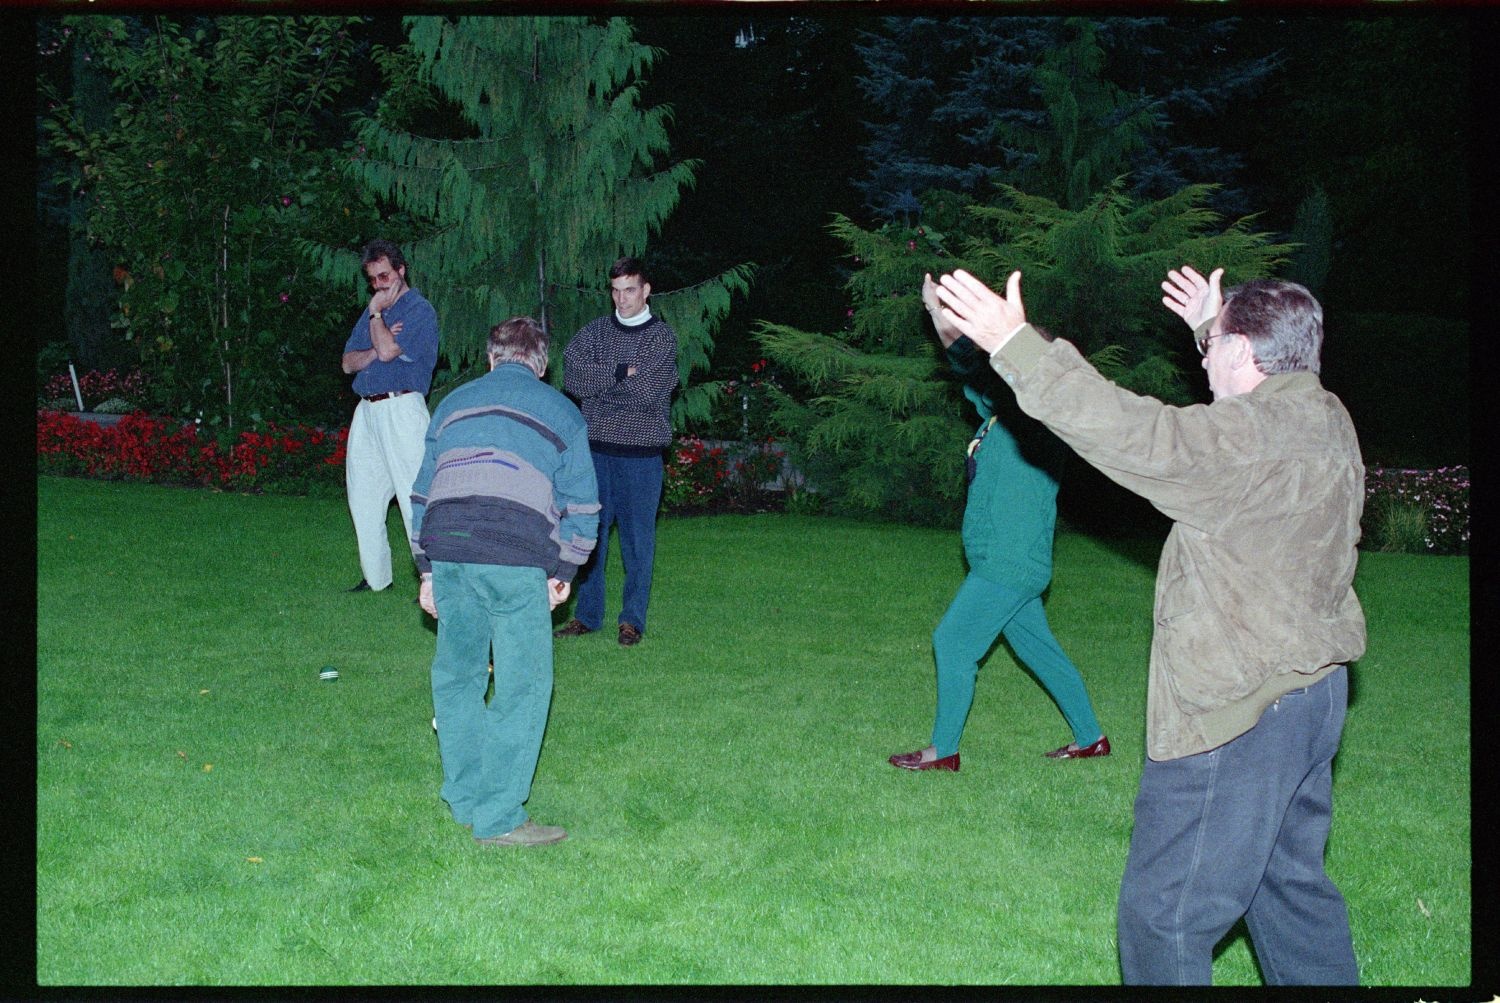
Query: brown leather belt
x=393, y=393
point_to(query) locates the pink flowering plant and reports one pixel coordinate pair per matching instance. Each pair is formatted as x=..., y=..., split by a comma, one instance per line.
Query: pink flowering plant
x=1417, y=511
x=114, y=391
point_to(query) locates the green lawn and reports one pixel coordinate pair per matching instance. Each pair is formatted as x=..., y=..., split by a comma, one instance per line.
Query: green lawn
x=208, y=812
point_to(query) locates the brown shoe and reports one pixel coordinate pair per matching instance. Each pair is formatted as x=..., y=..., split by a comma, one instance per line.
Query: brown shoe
x=573, y=628
x=1072, y=750
x=629, y=635
x=913, y=761
x=528, y=833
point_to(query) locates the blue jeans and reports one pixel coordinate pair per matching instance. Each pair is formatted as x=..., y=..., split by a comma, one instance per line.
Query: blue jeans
x=1240, y=831
x=629, y=494
x=490, y=750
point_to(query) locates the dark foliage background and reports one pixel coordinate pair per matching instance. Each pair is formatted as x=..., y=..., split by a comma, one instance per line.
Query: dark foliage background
x=1351, y=133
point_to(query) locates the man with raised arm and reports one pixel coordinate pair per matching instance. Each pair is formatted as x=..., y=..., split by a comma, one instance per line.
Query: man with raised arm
x=1256, y=617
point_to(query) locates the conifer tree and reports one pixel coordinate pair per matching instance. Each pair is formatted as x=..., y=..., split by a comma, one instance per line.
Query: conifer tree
x=884, y=419
x=957, y=103
x=556, y=177
x=1090, y=128
x=1312, y=232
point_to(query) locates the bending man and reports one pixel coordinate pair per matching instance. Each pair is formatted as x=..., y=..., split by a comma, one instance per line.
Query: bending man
x=504, y=513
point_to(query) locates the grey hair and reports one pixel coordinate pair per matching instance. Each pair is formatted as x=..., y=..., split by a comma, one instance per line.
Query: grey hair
x=1283, y=321
x=520, y=339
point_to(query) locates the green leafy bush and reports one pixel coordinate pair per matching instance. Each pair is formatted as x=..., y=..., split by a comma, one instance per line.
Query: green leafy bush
x=208, y=170
x=1417, y=511
x=872, y=412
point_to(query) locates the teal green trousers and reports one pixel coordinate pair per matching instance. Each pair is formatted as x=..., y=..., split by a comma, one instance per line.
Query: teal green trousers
x=489, y=751
x=980, y=612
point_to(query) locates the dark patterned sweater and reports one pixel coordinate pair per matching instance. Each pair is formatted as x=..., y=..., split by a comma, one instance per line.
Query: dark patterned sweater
x=627, y=414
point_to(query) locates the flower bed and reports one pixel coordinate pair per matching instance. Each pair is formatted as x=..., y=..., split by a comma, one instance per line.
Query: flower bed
x=108, y=392
x=297, y=459
x=705, y=476
x=701, y=476
x=1417, y=511
x=1421, y=511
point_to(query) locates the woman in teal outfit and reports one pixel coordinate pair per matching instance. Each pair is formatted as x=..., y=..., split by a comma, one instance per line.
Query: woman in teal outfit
x=1007, y=535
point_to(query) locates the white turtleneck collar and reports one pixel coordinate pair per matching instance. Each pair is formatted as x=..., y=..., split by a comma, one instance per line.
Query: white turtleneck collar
x=641, y=318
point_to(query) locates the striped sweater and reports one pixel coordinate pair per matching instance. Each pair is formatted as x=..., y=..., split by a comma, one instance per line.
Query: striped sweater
x=624, y=411
x=506, y=478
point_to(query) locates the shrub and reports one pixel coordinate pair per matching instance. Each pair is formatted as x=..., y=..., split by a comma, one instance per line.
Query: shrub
x=759, y=467
x=704, y=477
x=696, y=476
x=198, y=181
x=1417, y=511
x=1397, y=527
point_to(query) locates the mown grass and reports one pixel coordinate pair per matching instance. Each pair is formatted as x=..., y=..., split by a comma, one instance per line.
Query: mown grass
x=208, y=812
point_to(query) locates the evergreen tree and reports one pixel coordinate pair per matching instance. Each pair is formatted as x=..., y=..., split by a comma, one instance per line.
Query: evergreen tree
x=958, y=102
x=923, y=108
x=555, y=179
x=1312, y=232
x=769, y=106
x=883, y=419
x=1379, y=112
x=1091, y=127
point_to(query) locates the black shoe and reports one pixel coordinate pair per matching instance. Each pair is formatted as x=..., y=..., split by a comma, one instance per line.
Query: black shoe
x=363, y=586
x=573, y=628
x=629, y=636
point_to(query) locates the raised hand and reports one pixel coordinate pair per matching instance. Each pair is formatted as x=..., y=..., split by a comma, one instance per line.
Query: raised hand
x=1192, y=297
x=947, y=333
x=988, y=318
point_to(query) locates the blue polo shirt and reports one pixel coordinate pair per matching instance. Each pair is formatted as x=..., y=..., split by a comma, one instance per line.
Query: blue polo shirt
x=412, y=369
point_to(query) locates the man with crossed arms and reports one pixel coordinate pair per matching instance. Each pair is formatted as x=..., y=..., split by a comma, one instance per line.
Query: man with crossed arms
x=391, y=352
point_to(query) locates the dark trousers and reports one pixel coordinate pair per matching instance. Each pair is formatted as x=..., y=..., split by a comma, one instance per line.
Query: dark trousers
x=1240, y=831
x=629, y=495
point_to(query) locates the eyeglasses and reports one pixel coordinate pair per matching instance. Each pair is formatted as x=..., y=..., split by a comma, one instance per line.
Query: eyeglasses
x=1202, y=342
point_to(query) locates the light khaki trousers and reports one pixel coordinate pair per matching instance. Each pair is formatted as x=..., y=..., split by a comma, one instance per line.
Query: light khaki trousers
x=384, y=452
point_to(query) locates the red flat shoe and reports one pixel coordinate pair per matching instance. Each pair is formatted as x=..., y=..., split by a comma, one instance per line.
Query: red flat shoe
x=913, y=761
x=1072, y=751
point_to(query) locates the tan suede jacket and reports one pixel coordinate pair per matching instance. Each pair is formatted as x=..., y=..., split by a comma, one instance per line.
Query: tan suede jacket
x=1254, y=594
